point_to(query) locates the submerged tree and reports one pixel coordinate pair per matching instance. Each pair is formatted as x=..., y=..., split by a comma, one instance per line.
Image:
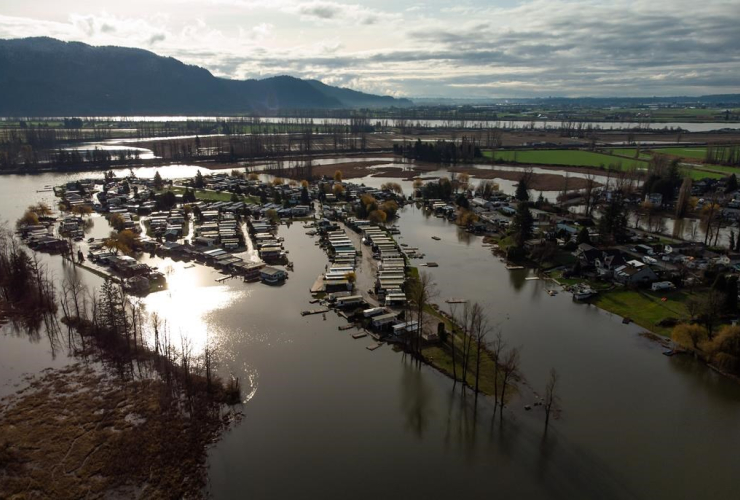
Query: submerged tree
x=551, y=397
x=421, y=291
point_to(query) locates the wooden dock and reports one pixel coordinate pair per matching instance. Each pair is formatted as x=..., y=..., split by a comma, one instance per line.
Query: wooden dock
x=346, y=327
x=359, y=335
x=513, y=268
x=374, y=346
x=315, y=311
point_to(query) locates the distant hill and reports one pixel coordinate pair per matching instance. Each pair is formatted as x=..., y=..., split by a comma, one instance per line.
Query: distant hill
x=48, y=77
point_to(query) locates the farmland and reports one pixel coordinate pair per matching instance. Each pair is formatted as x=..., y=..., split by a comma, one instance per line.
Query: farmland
x=564, y=157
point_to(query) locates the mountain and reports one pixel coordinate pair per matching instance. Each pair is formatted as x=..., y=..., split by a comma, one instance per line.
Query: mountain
x=48, y=77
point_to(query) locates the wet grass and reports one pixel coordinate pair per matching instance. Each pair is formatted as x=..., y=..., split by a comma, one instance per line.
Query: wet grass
x=646, y=308
x=440, y=356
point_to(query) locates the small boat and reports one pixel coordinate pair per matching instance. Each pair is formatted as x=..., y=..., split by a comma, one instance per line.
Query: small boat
x=432, y=264
x=583, y=293
x=437, y=238
x=552, y=293
x=456, y=301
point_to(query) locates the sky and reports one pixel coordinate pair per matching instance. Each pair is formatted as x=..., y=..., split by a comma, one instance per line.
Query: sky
x=456, y=49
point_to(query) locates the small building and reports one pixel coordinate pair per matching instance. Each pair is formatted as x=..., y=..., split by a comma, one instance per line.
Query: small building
x=384, y=320
x=272, y=275
x=350, y=300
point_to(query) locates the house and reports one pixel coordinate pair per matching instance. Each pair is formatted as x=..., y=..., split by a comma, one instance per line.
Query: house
x=272, y=276
x=634, y=273
x=609, y=260
x=587, y=255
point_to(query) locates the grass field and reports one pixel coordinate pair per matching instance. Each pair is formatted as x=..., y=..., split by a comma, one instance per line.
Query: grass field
x=622, y=157
x=645, y=308
x=564, y=157
x=630, y=153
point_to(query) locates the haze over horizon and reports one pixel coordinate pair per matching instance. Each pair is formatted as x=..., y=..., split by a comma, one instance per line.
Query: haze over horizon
x=474, y=49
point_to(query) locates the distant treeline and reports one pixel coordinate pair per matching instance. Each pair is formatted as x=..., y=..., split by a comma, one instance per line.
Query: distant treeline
x=440, y=151
x=723, y=155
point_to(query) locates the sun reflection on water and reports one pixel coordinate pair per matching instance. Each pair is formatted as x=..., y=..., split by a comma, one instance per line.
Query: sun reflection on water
x=187, y=305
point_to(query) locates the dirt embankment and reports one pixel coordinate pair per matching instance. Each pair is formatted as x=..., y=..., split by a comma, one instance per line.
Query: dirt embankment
x=79, y=433
x=538, y=182
x=350, y=170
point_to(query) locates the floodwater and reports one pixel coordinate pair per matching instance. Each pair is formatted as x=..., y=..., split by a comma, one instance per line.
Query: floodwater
x=325, y=417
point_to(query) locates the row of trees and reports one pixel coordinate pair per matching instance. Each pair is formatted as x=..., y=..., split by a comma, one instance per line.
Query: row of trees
x=440, y=151
x=472, y=352
x=26, y=289
x=115, y=324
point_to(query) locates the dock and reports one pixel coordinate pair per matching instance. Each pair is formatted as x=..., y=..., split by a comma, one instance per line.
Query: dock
x=374, y=346
x=315, y=311
x=456, y=301
x=359, y=335
x=513, y=268
x=346, y=327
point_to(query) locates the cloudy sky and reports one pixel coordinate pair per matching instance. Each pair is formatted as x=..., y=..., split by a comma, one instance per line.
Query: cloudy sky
x=494, y=48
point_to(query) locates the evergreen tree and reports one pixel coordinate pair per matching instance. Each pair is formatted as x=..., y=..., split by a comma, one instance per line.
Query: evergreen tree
x=522, y=192
x=522, y=224
x=613, y=223
x=305, y=198
x=462, y=201
x=731, y=184
x=199, y=183
x=158, y=184
x=583, y=237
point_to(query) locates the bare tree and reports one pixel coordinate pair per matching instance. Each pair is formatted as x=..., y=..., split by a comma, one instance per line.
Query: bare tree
x=551, y=397
x=588, y=193
x=423, y=290
x=509, y=372
x=479, y=330
x=497, y=348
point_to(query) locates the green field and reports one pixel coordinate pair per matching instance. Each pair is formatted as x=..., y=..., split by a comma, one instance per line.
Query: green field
x=645, y=308
x=630, y=153
x=624, y=157
x=564, y=157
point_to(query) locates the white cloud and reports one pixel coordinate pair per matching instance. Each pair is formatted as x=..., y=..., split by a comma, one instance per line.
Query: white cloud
x=534, y=47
